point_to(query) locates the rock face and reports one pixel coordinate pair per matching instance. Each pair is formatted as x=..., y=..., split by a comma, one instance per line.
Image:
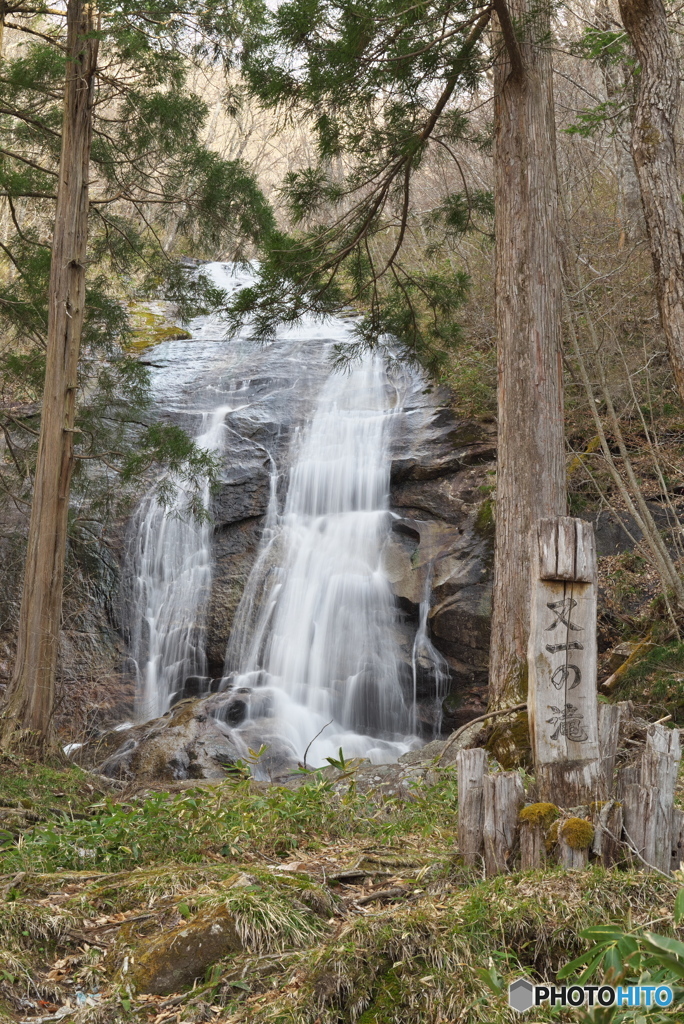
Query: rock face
x=173, y=960
x=442, y=549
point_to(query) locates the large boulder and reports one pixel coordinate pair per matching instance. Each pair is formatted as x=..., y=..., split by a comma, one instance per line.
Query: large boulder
x=200, y=738
x=173, y=960
x=188, y=742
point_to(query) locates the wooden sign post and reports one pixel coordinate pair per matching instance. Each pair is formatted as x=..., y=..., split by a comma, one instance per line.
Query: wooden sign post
x=562, y=658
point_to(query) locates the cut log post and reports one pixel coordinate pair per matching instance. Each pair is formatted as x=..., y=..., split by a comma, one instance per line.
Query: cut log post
x=607, y=844
x=659, y=771
x=504, y=795
x=609, y=719
x=570, y=858
x=472, y=766
x=650, y=824
x=562, y=656
x=628, y=775
x=640, y=808
x=677, y=839
x=532, y=846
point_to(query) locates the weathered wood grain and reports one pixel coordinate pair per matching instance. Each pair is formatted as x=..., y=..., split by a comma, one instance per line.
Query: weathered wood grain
x=504, y=795
x=607, y=844
x=562, y=702
x=570, y=858
x=677, y=846
x=566, y=550
x=532, y=846
x=609, y=719
x=472, y=766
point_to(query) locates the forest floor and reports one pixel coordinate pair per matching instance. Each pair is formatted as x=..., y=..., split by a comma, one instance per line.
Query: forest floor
x=338, y=907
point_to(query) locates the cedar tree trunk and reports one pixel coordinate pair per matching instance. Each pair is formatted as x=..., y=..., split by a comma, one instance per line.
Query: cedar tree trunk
x=530, y=480
x=27, y=718
x=655, y=156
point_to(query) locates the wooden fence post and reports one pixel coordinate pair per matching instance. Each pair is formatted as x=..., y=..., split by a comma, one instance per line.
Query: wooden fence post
x=677, y=839
x=532, y=846
x=472, y=765
x=562, y=657
x=649, y=821
x=609, y=718
x=504, y=795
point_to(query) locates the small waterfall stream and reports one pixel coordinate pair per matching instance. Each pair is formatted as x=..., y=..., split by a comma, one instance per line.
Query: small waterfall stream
x=313, y=662
x=171, y=559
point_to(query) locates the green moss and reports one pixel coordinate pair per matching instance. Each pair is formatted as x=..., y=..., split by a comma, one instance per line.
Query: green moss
x=509, y=742
x=151, y=328
x=578, y=833
x=541, y=814
x=484, y=520
x=388, y=996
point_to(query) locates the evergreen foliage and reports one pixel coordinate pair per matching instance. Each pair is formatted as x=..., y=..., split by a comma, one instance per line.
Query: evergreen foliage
x=380, y=85
x=155, y=189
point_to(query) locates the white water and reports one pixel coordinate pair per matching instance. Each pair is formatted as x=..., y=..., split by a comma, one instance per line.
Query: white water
x=426, y=656
x=318, y=615
x=314, y=647
x=171, y=560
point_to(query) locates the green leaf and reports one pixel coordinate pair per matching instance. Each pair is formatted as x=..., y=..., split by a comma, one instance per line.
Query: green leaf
x=492, y=979
x=569, y=969
x=672, y=946
x=613, y=961
x=606, y=932
x=679, y=906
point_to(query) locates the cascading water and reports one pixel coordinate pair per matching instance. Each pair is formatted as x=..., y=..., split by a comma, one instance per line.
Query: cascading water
x=313, y=663
x=426, y=658
x=171, y=576
x=315, y=629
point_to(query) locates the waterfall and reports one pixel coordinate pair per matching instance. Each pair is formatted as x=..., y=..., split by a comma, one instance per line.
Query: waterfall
x=170, y=568
x=314, y=654
x=316, y=660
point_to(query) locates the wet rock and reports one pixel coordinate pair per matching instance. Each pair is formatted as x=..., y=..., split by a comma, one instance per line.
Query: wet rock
x=243, y=495
x=234, y=552
x=463, y=626
x=186, y=743
x=175, y=959
x=427, y=753
x=438, y=442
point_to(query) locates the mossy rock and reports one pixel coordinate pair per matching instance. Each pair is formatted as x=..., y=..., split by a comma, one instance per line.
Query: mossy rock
x=175, y=959
x=152, y=328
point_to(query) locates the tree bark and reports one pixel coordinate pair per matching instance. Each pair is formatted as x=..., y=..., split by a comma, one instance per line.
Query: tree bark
x=531, y=454
x=655, y=156
x=27, y=718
